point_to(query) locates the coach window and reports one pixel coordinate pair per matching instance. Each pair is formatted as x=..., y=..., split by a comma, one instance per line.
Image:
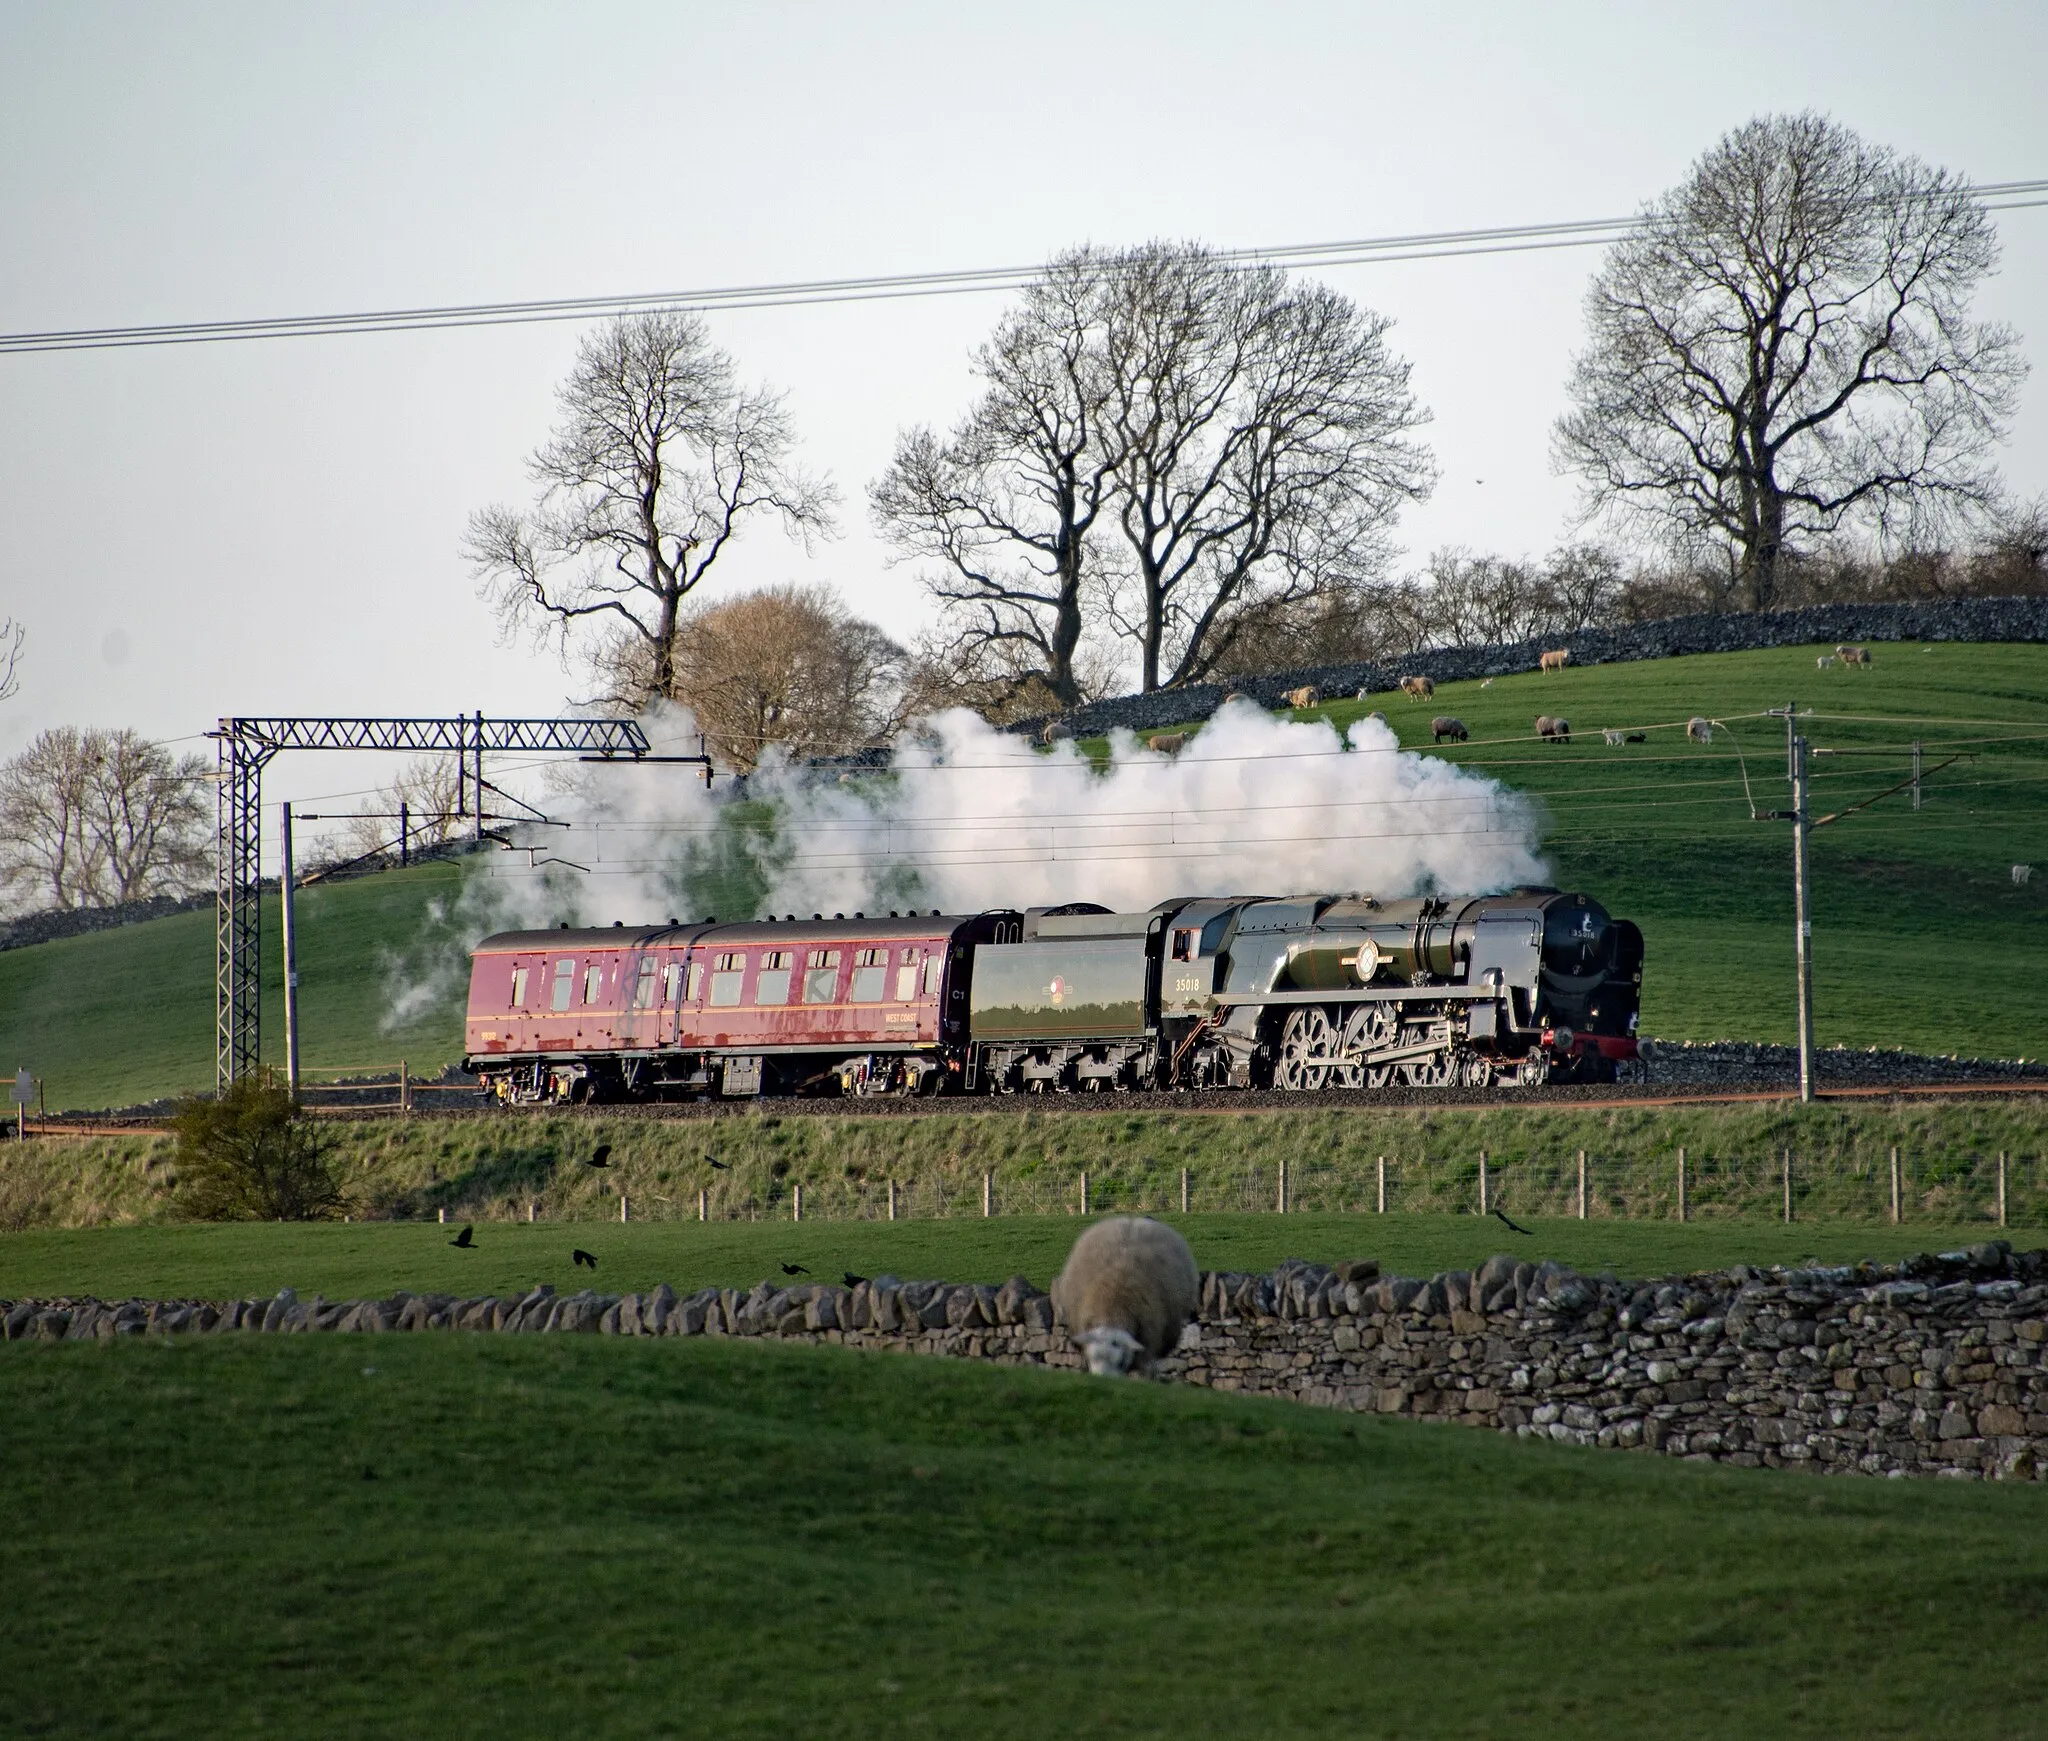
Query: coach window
x=672, y=982
x=727, y=970
x=821, y=976
x=870, y=975
x=519, y=987
x=771, y=986
x=565, y=984
x=932, y=965
x=593, y=981
x=643, y=987
x=906, y=976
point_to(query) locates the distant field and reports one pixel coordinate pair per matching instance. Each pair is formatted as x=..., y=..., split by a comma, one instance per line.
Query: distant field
x=1921, y=937
x=458, y=1536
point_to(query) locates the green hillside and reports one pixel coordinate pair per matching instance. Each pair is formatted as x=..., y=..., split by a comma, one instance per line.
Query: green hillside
x=1921, y=937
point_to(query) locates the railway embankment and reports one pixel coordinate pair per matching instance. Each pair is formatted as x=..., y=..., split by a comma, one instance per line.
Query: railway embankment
x=1930, y=1366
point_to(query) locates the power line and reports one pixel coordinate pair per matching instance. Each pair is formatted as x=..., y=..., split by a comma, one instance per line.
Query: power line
x=803, y=293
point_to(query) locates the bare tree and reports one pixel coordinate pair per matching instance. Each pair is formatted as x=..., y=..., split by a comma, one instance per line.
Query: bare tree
x=789, y=666
x=12, y=634
x=1262, y=437
x=1002, y=509
x=659, y=461
x=95, y=818
x=428, y=793
x=1784, y=346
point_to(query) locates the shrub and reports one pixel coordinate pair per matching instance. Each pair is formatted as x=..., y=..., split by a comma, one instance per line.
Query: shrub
x=253, y=1154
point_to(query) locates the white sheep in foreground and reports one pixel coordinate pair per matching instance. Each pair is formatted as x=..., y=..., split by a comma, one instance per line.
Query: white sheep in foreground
x=1129, y=1288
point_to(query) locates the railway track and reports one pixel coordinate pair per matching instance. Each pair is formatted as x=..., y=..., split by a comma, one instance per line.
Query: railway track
x=1214, y=1102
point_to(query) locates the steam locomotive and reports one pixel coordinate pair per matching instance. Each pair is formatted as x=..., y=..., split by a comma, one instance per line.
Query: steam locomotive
x=1299, y=993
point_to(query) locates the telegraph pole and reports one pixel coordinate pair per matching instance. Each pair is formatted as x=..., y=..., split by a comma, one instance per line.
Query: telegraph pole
x=291, y=957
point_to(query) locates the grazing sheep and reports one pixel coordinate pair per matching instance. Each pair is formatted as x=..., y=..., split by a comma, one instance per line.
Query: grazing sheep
x=1308, y=695
x=1701, y=731
x=1444, y=726
x=1486, y=683
x=1824, y=661
x=2020, y=874
x=1234, y=695
x=1558, y=731
x=1167, y=743
x=1128, y=1289
x=1853, y=655
x=1556, y=661
x=1055, y=731
x=1417, y=688
x=1382, y=718
x=1613, y=737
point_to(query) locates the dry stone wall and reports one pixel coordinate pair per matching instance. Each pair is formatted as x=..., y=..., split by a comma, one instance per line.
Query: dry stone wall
x=1932, y=1366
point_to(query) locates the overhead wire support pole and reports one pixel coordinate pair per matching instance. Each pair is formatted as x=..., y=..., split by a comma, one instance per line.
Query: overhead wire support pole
x=1802, y=894
x=244, y=746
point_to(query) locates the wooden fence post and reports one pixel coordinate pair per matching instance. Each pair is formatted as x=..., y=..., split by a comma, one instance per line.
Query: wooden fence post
x=529, y=1209
x=1681, y=1184
x=703, y=1204
x=796, y=1202
x=1383, y=1184
x=1482, y=1181
x=2001, y=1187
x=1582, y=1184
x=404, y=1087
x=1895, y=1185
x=1788, y=1186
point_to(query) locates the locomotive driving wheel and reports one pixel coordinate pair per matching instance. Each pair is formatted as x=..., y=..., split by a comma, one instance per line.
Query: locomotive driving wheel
x=1369, y=1028
x=1307, y=1047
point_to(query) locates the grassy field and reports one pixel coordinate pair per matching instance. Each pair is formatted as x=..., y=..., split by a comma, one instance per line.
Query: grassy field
x=1921, y=938
x=456, y=1536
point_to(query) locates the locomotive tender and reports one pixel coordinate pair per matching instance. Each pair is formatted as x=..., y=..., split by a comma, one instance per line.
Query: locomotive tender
x=1299, y=993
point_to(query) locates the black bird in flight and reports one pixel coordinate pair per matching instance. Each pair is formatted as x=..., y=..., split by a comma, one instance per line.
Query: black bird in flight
x=582, y=1259
x=602, y=1155
x=854, y=1281
x=716, y=1162
x=462, y=1241
x=1502, y=1214
x=794, y=1269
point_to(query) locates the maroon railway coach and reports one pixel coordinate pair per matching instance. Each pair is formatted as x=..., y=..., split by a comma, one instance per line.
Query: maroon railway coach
x=858, y=1006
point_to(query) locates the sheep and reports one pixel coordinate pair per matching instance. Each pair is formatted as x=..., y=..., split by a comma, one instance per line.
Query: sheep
x=1234, y=695
x=1364, y=694
x=1825, y=660
x=1444, y=726
x=1308, y=695
x=1380, y=717
x=1055, y=731
x=1128, y=1289
x=1556, y=661
x=1701, y=731
x=1167, y=743
x=1417, y=688
x=1635, y=737
x=2021, y=873
x=1853, y=655
x=1558, y=731
x=1614, y=738
x=1486, y=683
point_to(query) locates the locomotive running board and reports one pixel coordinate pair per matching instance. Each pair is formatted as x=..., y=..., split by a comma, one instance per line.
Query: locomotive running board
x=1403, y=994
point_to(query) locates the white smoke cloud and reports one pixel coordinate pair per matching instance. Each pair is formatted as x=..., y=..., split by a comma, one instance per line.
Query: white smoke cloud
x=966, y=817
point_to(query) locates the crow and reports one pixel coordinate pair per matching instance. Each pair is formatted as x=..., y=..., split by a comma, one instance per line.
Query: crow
x=854, y=1281
x=794, y=1269
x=716, y=1162
x=602, y=1155
x=462, y=1241
x=1502, y=1216
x=582, y=1259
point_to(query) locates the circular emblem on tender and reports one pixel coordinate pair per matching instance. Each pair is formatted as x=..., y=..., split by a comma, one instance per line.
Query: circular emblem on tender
x=1057, y=992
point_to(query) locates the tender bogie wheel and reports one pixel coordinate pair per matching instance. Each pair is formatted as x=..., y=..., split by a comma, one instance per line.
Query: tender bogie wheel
x=1474, y=1071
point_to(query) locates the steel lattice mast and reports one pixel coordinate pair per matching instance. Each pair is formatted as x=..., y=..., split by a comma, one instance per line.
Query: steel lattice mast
x=245, y=745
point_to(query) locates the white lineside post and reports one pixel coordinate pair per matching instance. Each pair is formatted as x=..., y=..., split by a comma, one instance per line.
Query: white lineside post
x=530, y=1207
x=1482, y=1182
x=796, y=1202
x=1681, y=1185
x=988, y=1196
x=1280, y=1195
x=2001, y=1187
x=1383, y=1184
x=1183, y=1190
x=1084, y=1192
x=291, y=953
x=703, y=1204
x=1897, y=1193
x=892, y=1199
x=404, y=1087
x=441, y=1215
x=625, y=1208
x=1582, y=1184
x=1788, y=1186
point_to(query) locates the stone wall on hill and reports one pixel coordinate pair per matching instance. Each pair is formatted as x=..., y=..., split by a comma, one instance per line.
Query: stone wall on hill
x=1931, y=1366
x=1967, y=619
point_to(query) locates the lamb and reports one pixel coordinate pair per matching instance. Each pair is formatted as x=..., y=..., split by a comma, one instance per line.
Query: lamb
x=1853, y=655
x=1417, y=688
x=1558, y=731
x=1614, y=737
x=1635, y=737
x=1556, y=661
x=1167, y=743
x=1444, y=726
x=1054, y=731
x=1128, y=1289
x=1308, y=695
x=1364, y=694
x=1825, y=660
x=1701, y=731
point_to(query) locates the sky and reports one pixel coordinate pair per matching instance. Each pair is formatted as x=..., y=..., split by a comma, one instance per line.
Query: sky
x=205, y=530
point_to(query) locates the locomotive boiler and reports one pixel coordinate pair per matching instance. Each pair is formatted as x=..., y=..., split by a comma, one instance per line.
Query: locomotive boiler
x=1297, y=993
